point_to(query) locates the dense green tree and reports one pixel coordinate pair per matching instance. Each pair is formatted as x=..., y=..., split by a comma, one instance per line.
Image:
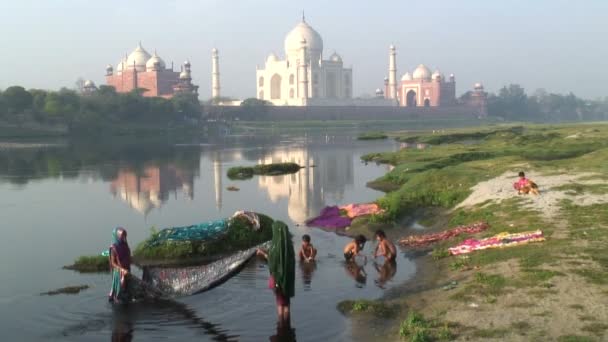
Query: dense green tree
x=17, y=99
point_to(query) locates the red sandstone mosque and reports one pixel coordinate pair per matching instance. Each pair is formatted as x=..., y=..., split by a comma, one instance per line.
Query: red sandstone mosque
x=150, y=73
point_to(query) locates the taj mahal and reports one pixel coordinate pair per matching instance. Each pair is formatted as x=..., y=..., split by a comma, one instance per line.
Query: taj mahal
x=303, y=77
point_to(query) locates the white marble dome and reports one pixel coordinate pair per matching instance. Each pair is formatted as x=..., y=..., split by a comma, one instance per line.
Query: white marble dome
x=155, y=63
x=184, y=75
x=478, y=86
x=422, y=73
x=314, y=42
x=89, y=84
x=121, y=65
x=138, y=58
x=406, y=77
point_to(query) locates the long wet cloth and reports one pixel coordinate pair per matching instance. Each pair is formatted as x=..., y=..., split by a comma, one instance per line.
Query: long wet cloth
x=282, y=259
x=329, y=218
x=202, y=231
x=426, y=239
x=497, y=241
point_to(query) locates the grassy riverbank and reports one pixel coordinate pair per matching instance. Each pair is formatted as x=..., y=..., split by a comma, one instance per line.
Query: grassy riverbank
x=552, y=290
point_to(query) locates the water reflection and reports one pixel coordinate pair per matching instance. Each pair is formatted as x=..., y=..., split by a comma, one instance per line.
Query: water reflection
x=149, y=188
x=324, y=174
x=357, y=272
x=308, y=269
x=285, y=333
x=386, y=271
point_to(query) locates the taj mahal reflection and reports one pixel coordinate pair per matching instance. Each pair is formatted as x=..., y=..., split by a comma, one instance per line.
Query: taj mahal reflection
x=322, y=180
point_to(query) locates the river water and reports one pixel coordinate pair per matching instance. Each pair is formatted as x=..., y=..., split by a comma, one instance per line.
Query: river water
x=58, y=202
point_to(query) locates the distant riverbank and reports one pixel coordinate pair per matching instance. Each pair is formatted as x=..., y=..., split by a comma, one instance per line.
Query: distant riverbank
x=552, y=290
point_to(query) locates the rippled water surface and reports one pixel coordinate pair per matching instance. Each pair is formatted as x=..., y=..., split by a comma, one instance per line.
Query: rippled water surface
x=59, y=202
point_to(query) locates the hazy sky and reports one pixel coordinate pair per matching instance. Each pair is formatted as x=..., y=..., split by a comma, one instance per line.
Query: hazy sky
x=554, y=44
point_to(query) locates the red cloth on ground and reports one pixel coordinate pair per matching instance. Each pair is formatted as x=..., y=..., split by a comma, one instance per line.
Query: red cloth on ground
x=426, y=239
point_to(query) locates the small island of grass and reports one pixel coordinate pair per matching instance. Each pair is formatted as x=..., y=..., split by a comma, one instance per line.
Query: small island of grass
x=90, y=264
x=66, y=290
x=372, y=136
x=246, y=172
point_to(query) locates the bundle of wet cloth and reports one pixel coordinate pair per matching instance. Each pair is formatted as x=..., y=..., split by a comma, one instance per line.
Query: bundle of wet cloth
x=497, y=241
x=202, y=231
x=250, y=216
x=426, y=239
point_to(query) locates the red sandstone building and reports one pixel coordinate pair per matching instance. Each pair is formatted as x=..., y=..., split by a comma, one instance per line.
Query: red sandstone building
x=140, y=70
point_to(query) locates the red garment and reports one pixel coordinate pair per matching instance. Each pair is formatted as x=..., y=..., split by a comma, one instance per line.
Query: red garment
x=520, y=183
x=425, y=239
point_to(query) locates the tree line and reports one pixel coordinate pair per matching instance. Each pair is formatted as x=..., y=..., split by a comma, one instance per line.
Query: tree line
x=512, y=103
x=103, y=106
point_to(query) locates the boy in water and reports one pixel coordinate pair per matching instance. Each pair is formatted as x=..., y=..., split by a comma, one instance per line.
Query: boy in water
x=384, y=248
x=525, y=186
x=308, y=252
x=354, y=248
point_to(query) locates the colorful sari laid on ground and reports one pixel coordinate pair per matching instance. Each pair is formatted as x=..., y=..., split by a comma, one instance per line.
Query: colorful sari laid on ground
x=497, y=241
x=120, y=249
x=331, y=217
x=282, y=263
x=426, y=239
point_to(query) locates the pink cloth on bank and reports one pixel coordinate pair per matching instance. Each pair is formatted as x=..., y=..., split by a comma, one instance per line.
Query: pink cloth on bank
x=497, y=241
x=356, y=210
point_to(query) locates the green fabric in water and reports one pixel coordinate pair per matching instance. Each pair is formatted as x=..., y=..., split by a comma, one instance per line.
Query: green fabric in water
x=282, y=259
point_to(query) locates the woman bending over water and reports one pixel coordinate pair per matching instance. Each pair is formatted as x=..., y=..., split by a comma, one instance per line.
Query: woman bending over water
x=120, y=264
x=282, y=264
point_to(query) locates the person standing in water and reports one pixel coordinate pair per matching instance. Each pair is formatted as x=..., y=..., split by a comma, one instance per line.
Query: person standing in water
x=120, y=264
x=282, y=264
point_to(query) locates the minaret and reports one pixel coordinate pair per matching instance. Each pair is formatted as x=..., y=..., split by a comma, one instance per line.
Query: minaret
x=303, y=73
x=392, y=73
x=134, y=76
x=215, y=74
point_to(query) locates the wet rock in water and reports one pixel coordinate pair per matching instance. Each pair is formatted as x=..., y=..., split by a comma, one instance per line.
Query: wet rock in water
x=232, y=188
x=90, y=264
x=66, y=290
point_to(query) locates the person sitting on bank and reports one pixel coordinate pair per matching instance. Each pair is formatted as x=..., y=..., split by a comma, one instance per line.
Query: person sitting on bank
x=354, y=248
x=525, y=186
x=308, y=252
x=384, y=248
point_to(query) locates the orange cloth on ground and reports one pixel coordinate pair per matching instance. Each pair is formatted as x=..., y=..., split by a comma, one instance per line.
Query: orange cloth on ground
x=355, y=210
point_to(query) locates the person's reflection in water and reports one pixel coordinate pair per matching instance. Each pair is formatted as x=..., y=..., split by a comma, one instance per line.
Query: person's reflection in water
x=386, y=272
x=285, y=333
x=307, y=268
x=357, y=272
x=122, y=325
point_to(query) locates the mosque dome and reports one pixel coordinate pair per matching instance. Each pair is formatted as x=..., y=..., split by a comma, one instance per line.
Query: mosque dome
x=422, y=73
x=138, y=57
x=187, y=63
x=478, y=86
x=89, y=84
x=436, y=74
x=109, y=67
x=379, y=92
x=155, y=63
x=406, y=77
x=184, y=75
x=314, y=42
x=335, y=58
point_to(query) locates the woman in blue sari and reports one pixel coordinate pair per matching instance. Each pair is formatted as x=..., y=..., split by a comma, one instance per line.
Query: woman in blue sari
x=120, y=264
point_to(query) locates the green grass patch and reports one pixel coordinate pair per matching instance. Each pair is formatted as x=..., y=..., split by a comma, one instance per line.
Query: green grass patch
x=374, y=307
x=247, y=172
x=593, y=276
x=90, y=264
x=574, y=338
x=596, y=328
x=417, y=328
